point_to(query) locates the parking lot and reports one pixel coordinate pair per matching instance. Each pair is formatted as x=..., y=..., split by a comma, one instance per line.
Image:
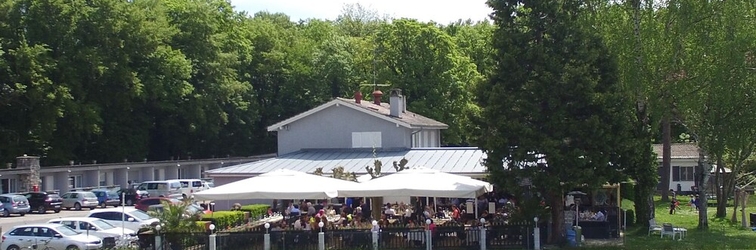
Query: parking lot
x=6, y=223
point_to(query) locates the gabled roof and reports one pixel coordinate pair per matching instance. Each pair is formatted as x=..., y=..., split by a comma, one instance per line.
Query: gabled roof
x=462, y=160
x=679, y=151
x=407, y=119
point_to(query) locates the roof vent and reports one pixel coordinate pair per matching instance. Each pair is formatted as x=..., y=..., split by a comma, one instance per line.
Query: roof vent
x=377, y=94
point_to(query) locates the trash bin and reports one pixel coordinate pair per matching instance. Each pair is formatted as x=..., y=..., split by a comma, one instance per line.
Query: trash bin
x=571, y=237
x=753, y=219
x=578, y=235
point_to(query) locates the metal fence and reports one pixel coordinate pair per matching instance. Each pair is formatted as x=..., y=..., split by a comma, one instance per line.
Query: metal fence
x=185, y=241
x=498, y=236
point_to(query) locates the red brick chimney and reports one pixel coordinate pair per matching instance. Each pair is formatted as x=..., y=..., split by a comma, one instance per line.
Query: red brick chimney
x=358, y=96
x=377, y=94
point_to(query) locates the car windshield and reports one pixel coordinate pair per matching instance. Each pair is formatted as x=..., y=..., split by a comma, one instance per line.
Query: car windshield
x=67, y=231
x=104, y=225
x=139, y=214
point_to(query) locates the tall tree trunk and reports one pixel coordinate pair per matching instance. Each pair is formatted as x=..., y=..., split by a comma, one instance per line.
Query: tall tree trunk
x=666, y=157
x=644, y=205
x=701, y=179
x=557, y=218
x=734, y=217
x=721, y=187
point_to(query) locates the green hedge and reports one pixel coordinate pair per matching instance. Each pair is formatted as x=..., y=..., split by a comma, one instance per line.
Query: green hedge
x=225, y=219
x=255, y=210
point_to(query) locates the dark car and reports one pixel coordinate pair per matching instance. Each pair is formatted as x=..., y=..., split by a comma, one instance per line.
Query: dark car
x=130, y=196
x=107, y=198
x=41, y=202
x=144, y=204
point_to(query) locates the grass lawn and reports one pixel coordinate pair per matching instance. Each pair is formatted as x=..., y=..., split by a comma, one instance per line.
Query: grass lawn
x=721, y=234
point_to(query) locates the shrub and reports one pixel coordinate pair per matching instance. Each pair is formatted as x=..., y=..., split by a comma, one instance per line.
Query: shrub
x=255, y=210
x=225, y=219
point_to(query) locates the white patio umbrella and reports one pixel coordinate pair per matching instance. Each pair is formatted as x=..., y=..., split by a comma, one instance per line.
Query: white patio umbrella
x=419, y=181
x=277, y=184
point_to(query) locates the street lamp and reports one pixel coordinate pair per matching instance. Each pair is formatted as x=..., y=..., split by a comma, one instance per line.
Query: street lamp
x=320, y=225
x=267, y=226
x=212, y=228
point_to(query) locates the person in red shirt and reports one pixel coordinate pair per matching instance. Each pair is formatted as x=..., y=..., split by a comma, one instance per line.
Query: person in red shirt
x=455, y=213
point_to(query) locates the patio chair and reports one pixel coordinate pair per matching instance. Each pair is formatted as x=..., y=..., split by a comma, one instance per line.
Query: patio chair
x=652, y=226
x=668, y=229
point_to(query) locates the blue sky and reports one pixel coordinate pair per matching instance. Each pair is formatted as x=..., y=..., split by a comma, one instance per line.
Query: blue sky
x=441, y=11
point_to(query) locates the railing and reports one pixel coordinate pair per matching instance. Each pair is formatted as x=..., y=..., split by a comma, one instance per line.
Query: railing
x=185, y=241
x=457, y=237
x=251, y=240
x=402, y=238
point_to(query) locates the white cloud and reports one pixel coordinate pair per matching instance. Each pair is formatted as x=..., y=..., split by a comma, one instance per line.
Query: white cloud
x=441, y=11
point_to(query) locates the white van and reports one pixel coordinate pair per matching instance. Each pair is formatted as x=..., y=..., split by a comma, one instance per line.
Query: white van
x=191, y=186
x=169, y=188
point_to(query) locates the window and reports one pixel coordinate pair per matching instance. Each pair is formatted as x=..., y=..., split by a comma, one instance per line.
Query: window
x=68, y=223
x=176, y=185
x=8, y=186
x=683, y=173
x=107, y=215
x=366, y=140
x=83, y=225
x=24, y=231
x=103, y=178
x=184, y=184
x=74, y=181
x=45, y=232
x=197, y=184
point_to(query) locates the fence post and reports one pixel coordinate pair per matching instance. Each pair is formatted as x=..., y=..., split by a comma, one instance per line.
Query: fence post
x=266, y=237
x=536, y=235
x=428, y=235
x=321, y=236
x=375, y=229
x=482, y=237
x=158, y=242
x=212, y=242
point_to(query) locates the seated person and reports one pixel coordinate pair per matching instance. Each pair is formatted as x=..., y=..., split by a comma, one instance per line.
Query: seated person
x=599, y=216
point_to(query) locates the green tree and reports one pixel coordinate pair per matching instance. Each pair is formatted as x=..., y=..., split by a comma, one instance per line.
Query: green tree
x=553, y=111
x=435, y=77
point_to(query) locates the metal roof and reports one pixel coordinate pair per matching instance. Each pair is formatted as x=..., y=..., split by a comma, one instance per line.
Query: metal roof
x=466, y=160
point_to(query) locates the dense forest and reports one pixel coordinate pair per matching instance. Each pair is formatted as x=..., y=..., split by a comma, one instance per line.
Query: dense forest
x=113, y=80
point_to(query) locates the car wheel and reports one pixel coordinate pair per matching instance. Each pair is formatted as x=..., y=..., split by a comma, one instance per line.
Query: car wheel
x=92, y=208
x=13, y=247
x=72, y=247
x=129, y=202
x=41, y=210
x=6, y=213
x=77, y=206
x=183, y=196
x=22, y=214
x=102, y=204
x=57, y=211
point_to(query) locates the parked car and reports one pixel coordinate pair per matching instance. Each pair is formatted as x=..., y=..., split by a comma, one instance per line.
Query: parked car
x=44, y=236
x=14, y=204
x=110, y=234
x=42, y=202
x=130, y=195
x=169, y=188
x=144, y=204
x=126, y=217
x=191, y=186
x=107, y=198
x=79, y=199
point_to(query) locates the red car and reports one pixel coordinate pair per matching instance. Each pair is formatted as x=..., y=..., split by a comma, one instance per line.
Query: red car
x=144, y=204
